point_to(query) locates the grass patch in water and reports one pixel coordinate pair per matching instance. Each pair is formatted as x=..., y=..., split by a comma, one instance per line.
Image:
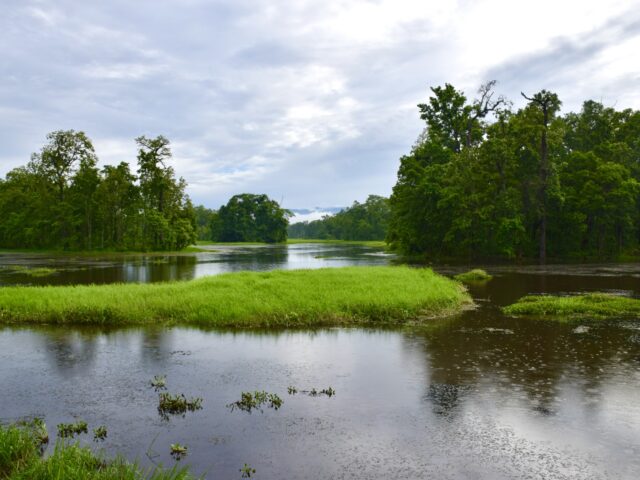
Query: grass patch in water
x=597, y=305
x=30, y=271
x=21, y=459
x=295, y=298
x=476, y=275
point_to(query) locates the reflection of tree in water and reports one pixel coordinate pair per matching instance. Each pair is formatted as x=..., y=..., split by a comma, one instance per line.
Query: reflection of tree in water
x=71, y=351
x=530, y=359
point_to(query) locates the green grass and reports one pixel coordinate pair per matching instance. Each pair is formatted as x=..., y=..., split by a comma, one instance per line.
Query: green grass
x=20, y=459
x=596, y=305
x=30, y=271
x=366, y=243
x=297, y=298
x=474, y=276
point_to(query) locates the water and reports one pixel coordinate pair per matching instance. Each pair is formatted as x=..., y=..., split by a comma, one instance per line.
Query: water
x=475, y=396
x=114, y=268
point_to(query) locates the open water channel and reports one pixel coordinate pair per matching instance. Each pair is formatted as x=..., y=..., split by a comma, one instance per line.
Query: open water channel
x=476, y=396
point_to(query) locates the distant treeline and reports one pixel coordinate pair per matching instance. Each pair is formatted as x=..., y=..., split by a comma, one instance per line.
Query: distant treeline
x=361, y=221
x=61, y=200
x=530, y=183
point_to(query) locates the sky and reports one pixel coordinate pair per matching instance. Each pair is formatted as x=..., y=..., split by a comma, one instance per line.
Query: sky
x=312, y=102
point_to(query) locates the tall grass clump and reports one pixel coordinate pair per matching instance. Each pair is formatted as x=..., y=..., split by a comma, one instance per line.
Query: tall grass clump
x=477, y=275
x=598, y=305
x=20, y=459
x=330, y=296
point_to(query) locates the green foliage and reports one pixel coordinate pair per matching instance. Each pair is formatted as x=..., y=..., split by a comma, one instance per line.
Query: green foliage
x=250, y=218
x=60, y=200
x=529, y=184
x=476, y=275
x=361, y=221
x=332, y=296
x=70, y=430
x=20, y=459
x=177, y=404
x=599, y=305
x=254, y=401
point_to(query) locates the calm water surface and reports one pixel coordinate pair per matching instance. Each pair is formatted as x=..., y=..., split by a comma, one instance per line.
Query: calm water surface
x=478, y=396
x=74, y=269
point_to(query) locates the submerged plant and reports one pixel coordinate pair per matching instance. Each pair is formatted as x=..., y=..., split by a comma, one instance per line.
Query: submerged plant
x=70, y=430
x=247, y=471
x=178, y=451
x=177, y=404
x=99, y=433
x=159, y=382
x=254, y=401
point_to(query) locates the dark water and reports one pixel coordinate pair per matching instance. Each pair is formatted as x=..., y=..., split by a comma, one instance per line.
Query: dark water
x=477, y=396
x=75, y=269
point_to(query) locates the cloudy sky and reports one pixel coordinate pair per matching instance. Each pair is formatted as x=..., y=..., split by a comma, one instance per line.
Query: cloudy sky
x=309, y=101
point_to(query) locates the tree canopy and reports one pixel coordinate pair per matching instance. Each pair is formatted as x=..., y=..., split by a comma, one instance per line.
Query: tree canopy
x=250, y=218
x=61, y=200
x=530, y=183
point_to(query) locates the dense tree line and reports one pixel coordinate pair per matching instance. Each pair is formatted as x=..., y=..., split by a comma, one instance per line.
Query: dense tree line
x=62, y=200
x=485, y=180
x=361, y=221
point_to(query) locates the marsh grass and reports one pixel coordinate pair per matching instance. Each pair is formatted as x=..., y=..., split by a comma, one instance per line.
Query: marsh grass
x=477, y=275
x=21, y=459
x=30, y=271
x=296, y=298
x=595, y=305
x=177, y=404
x=70, y=430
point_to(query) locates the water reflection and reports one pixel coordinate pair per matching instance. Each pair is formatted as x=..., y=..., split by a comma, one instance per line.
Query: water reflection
x=160, y=268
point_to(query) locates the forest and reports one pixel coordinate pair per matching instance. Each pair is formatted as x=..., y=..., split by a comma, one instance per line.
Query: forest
x=360, y=221
x=487, y=181
x=61, y=200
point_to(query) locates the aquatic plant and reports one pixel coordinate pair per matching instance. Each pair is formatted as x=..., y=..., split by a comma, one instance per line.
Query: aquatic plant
x=254, y=401
x=477, y=275
x=595, y=305
x=177, y=404
x=21, y=459
x=178, y=451
x=247, y=471
x=99, y=433
x=70, y=430
x=331, y=296
x=329, y=391
x=30, y=271
x=159, y=382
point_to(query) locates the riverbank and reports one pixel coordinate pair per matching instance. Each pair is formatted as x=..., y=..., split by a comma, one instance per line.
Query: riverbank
x=20, y=458
x=324, y=297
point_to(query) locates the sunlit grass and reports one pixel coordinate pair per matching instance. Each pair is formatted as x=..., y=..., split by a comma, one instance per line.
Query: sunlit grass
x=587, y=305
x=331, y=296
x=477, y=275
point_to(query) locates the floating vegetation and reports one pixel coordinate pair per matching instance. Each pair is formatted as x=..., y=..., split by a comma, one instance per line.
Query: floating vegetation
x=70, y=430
x=329, y=392
x=247, y=471
x=477, y=275
x=38, y=430
x=254, y=401
x=159, y=382
x=99, y=433
x=595, y=305
x=177, y=404
x=178, y=451
x=30, y=271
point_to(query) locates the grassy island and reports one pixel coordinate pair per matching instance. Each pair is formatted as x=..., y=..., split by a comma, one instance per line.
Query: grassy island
x=477, y=275
x=330, y=296
x=600, y=305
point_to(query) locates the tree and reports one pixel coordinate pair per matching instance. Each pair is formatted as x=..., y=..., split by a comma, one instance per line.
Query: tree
x=251, y=218
x=548, y=104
